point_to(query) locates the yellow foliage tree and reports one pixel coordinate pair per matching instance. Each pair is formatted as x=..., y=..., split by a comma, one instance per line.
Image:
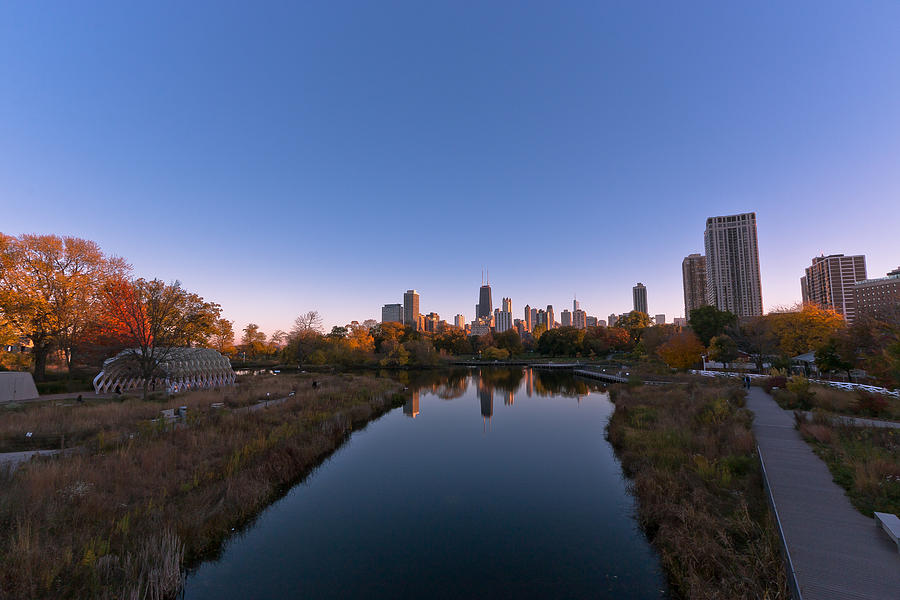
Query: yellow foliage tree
x=804, y=328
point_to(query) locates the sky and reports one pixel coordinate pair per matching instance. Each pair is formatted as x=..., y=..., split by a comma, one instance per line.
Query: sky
x=280, y=157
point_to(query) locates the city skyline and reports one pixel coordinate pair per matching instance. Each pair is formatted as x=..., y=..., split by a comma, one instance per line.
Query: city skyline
x=269, y=175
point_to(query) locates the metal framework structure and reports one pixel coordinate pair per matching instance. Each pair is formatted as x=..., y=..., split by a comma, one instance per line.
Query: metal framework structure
x=184, y=369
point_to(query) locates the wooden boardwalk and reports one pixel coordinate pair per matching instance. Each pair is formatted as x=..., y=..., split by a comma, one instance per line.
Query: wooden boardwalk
x=836, y=552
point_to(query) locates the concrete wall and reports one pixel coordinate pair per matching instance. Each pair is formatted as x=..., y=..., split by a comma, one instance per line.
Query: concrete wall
x=15, y=387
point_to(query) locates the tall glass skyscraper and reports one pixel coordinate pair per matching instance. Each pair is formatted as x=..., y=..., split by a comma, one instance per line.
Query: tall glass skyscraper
x=485, y=307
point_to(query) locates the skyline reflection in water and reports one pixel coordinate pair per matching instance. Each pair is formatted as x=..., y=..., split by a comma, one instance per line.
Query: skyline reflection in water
x=488, y=482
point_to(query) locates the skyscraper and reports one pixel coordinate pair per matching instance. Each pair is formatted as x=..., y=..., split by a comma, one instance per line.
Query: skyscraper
x=485, y=306
x=565, y=318
x=392, y=312
x=580, y=319
x=830, y=280
x=411, y=308
x=503, y=316
x=576, y=305
x=612, y=319
x=459, y=321
x=659, y=319
x=528, y=322
x=732, y=264
x=693, y=276
x=551, y=323
x=639, y=293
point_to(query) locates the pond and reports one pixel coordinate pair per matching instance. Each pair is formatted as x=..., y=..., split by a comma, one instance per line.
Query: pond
x=487, y=483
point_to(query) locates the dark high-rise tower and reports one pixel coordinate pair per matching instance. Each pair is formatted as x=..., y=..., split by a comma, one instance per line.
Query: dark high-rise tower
x=411, y=308
x=485, y=307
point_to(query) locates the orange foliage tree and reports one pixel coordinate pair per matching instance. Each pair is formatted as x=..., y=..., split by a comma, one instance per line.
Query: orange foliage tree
x=682, y=350
x=151, y=318
x=49, y=290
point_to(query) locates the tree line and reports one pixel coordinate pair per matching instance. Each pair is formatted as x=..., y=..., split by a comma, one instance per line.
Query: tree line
x=871, y=343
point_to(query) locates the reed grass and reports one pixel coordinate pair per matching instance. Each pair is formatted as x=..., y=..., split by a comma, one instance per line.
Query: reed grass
x=146, y=500
x=691, y=458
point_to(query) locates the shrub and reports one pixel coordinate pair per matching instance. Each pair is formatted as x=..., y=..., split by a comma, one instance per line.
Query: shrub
x=871, y=404
x=799, y=386
x=775, y=381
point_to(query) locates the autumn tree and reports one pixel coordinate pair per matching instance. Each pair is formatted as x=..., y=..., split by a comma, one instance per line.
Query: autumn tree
x=49, y=290
x=708, y=322
x=152, y=319
x=682, y=351
x=305, y=337
x=253, y=342
x=222, y=338
x=359, y=339
x=804, y=328
x=309, y=323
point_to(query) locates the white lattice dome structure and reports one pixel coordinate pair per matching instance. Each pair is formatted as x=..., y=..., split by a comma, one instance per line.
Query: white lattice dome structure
x=183, y=369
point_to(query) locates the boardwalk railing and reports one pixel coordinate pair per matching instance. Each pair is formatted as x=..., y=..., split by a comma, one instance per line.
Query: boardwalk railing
x=874, y=389
x=788, y=563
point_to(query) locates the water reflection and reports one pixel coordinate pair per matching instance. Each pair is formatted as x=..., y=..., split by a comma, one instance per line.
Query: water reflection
x=506, y=382
x=536, y=509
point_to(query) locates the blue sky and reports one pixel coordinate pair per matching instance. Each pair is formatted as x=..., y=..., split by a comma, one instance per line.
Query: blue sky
x=282, y=156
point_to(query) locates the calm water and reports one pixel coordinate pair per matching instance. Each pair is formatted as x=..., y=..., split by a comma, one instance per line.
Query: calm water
x=490, y=484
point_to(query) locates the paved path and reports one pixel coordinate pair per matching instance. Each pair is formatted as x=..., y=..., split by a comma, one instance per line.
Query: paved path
x=855, y=421
x=14, y=459
x=837, y=552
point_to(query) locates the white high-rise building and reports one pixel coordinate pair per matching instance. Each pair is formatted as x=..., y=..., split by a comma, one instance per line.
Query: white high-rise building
x=732, y=264
x=503, y=318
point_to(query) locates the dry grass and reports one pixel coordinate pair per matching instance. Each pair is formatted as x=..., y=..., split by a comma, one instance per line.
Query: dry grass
x=842, y=402
x=691, y=455
x=864, y=460
x=121, y=521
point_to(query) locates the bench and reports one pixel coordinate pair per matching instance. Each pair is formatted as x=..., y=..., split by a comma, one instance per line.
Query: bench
x=891, y=525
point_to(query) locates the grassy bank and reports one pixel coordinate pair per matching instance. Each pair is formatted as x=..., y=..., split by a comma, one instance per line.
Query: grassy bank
x=123, y=519
x=691, y=456
x=865, y=461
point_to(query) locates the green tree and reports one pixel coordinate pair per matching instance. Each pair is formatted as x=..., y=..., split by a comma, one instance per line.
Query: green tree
x=708, y=322
x=338, y=333
x=510, y=341
x=723, y=349
x=493, y=353
x=836, y=355
x=756, y=337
